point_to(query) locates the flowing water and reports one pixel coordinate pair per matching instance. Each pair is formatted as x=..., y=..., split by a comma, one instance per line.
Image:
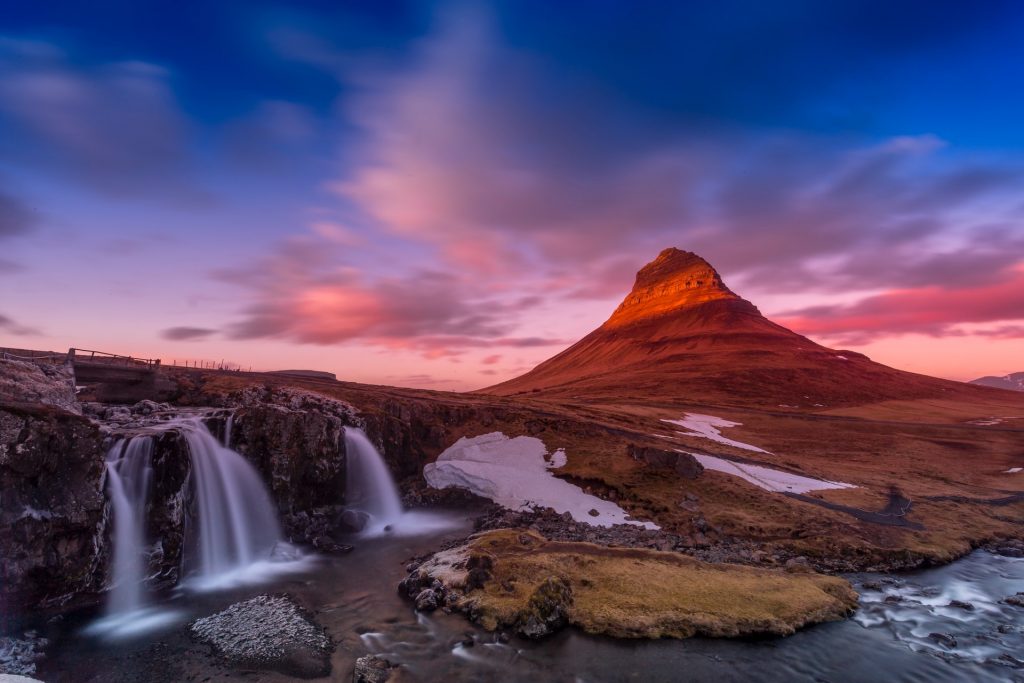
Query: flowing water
x=129, y=473
x=369, y=485
x=236, y=524
x=942, y=625
x=371, y=489
x=234, y=535
x=354, y=597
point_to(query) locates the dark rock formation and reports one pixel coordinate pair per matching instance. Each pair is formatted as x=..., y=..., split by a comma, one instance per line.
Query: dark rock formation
x=683, y=464
x=268, y=632
x=52, y=508
x=297, y=441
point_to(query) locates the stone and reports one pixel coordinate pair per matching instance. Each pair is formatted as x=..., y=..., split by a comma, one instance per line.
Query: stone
x=20, y=655
x=39, y=384
x=427, y=600
x=960, y=604
x=268, y=632
x=1015, y=600
x=547, y=610
x=353, y=521
x=945, y=639
x=372, y=669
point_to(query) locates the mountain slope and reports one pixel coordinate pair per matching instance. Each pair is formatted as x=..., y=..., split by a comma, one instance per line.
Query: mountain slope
x=681, y=333
x=1014, y=381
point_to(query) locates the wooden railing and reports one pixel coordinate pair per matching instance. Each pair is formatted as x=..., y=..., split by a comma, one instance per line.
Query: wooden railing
x=102, y=357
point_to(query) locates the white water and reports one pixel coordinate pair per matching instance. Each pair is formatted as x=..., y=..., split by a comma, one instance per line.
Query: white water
x=370, y=488
x=228, y=426
x=129, y=475
x=232, y=537
x=236, y=521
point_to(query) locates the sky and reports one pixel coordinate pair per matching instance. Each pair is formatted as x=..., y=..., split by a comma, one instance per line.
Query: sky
x=442, y=195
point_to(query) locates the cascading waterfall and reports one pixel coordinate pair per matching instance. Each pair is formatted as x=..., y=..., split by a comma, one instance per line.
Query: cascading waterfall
x=232, y=534
x=236, y=522
x=129, y=473
x=369, y=486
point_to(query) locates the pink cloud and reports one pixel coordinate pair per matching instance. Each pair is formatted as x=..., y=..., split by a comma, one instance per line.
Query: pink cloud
x=933, y=310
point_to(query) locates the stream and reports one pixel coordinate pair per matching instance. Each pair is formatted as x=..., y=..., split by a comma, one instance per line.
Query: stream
x=354, y=597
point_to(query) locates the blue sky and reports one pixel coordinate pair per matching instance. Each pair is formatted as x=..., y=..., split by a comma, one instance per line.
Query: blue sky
x=443, y=194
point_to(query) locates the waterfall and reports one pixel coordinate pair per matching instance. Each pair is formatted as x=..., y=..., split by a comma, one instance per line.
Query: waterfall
x=128, y=478
x=236, y=521
x=227, y=429
x=231, y=537
x=369, y=486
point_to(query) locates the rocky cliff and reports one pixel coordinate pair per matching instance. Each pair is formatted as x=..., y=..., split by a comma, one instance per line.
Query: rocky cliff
x=52, y=509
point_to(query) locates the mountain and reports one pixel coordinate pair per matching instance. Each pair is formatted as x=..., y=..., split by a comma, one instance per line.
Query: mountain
x=681, y=333
x=1014, y=381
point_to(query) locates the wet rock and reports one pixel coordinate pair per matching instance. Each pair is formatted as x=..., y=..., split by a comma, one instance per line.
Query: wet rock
x=21, y=655
x=547, y=610
x=427, y=600
x=945, y=639
x=871, y=585
x=1015, y=600
x=960, y=604
x=296, y=439
x=51, y=509
x=268, y=632
x=1009, y=551
x=353, y=521
x=372, y=669
x=1007, y=659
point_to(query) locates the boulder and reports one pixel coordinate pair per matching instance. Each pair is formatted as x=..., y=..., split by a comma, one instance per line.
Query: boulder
x=268, y=632
x=547, y=610
x=372, y=669
x=38, y=384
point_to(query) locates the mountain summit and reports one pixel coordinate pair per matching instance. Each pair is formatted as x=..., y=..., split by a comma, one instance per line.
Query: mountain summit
x=673, y=281
x=681, y=333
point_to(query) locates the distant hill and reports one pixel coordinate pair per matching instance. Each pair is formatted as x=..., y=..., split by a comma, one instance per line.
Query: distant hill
x=315, y=374
x=682, y=334
x=1014, y=381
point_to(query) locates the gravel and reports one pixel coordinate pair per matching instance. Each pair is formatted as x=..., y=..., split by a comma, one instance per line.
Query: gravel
x=270, y=632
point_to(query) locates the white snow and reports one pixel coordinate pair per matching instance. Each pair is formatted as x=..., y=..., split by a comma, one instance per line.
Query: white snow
x=842, y=358
x=1014, y=470
x=708, y=426
x=515, y=473
x=768, y=479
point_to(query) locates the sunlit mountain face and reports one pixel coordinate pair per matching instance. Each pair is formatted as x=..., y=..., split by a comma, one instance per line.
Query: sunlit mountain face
x=443, y=195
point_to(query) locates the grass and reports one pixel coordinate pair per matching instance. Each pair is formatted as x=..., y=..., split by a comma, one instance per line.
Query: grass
x=637, y=593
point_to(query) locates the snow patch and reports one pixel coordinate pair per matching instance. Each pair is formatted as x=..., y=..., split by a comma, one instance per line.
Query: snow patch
x=515, y=473
x=766, y=478
x=708, y=427
x=1014, y=470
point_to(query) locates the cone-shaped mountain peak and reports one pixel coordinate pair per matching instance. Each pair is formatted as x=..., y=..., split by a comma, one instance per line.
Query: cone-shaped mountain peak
x=682, y=334
x=676, y=279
